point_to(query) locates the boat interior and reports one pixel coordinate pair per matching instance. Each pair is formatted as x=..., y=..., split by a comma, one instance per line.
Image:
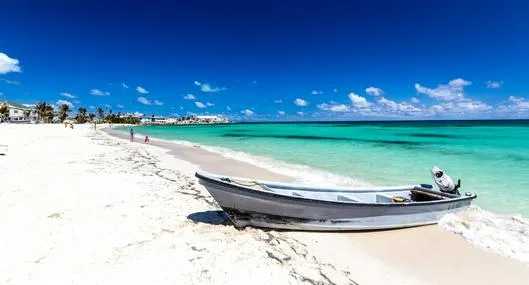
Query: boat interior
x=378, y=195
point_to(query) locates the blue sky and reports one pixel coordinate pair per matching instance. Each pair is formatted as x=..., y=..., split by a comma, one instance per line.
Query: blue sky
x=270, y=60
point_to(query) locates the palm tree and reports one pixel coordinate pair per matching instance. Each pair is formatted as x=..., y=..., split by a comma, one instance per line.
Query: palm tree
x=81, y=115
x=101, y=113
x=27, y=113
x=63, y=112
x=40, y=108
x=48, y=113
x=91, y=116
x=4, y=112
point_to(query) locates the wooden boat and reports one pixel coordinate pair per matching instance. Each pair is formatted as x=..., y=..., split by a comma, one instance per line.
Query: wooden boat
x=301, y=207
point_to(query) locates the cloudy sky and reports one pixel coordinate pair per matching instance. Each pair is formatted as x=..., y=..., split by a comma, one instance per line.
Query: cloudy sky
x=270, y=60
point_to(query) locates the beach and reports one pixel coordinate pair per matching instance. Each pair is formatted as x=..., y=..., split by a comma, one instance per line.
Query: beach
x=85, y=206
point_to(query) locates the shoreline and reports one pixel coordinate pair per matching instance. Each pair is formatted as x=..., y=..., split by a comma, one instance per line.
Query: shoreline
x=443, y=250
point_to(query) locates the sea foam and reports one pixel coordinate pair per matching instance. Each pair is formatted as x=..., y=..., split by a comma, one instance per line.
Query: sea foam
x=301, y=173
x=507, y=235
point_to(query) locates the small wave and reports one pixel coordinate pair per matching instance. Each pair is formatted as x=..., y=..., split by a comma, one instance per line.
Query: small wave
x=507, y=235
x=301, y=173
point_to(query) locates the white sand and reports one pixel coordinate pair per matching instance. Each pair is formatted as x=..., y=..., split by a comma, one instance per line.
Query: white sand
x=82, y=207
x=77, y=208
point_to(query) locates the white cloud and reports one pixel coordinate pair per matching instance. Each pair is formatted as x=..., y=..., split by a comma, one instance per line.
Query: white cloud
x=206, y=87
x=8, y=64
x=359, y=101
x=278, y=101
x=210, y=104
x=124, y=85
x=392, y=106
x=67, y=95
x=516, y=104
x=247, y=112
x=64, y=102
x=281, y=112
x=254, y=82
x=144, y=101
x=228, y=108
x=414, y=100
x=453, y=98
x=142, y=90
x=463, y=106
x=300, y=102
x=300, y=113
x=200, y=105
x=97, y=92
x=158, y=103
x=445, y=92
x=494, y=84
x=13, y=82
x=333, y=107
x=374, y=91
x=108, y=106
x=335, y=90
x=189, y=97
x=92, y=107
x=316, y=92
x=120, y=106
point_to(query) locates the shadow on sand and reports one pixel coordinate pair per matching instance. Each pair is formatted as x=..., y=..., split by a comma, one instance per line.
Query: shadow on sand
x=210, y=217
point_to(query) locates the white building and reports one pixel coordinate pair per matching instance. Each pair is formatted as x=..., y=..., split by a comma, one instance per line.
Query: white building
x=153, y=120
x=212, y=119
x=19, y=113
x=171, y=120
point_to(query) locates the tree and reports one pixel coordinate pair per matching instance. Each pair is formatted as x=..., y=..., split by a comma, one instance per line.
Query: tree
x=101, y=113
x=4, y=112
x=81, y=115
x=48, y=113
x=63, y=112
x=91, y=116
x=40, y=108
x=27, y=113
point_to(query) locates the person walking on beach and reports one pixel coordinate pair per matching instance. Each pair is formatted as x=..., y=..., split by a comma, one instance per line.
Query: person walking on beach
x=131, y=135
x=146, y=139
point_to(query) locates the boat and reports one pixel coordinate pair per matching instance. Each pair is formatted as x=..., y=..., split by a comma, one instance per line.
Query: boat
x=290, y=206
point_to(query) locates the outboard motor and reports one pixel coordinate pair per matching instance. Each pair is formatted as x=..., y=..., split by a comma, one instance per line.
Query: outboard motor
x=445, y=183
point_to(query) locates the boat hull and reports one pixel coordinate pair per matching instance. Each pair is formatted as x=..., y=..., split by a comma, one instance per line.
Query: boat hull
x=246, y=207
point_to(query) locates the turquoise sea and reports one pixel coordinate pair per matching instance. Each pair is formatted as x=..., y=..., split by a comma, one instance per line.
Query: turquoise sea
x=490, y=157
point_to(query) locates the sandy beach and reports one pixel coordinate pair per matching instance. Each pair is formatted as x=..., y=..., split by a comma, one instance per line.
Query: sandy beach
x=87, y=207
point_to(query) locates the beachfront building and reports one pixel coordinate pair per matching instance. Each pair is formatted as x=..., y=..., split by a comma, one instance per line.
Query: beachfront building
x=172, y=120
x=159, y=120
x=18, y=113
x=212, y=119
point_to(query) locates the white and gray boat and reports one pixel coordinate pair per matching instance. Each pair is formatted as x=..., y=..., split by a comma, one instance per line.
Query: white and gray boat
x=301, y=207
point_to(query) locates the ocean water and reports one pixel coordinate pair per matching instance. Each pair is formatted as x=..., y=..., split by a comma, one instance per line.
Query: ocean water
x=490, y=157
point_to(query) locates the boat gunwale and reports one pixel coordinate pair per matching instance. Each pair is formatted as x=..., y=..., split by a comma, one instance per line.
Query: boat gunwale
x=243, y=188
